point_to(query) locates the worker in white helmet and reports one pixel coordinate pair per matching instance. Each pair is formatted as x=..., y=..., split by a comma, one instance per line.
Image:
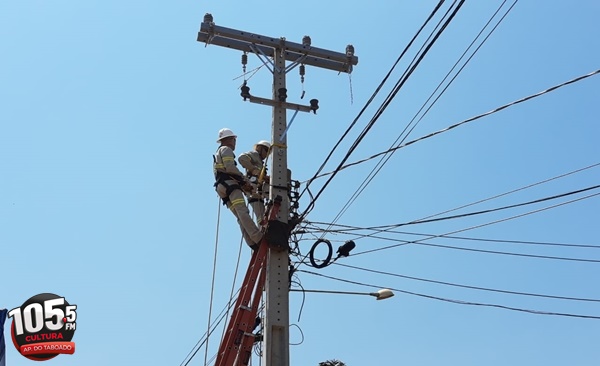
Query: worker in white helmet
x=230, y=182
x=254, y=163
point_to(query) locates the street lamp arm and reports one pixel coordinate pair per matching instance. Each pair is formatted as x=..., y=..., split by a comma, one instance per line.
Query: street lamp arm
x=379, y=295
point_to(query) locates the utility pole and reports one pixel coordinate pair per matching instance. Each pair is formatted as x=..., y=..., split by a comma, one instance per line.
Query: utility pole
x=275, y=53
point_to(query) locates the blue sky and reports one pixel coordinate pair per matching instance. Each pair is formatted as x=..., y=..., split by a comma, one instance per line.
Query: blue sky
x=108, y=115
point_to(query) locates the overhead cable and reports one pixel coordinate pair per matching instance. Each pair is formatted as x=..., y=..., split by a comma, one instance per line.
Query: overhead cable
x=350, y=230
x=389, y=227
x=424, y=221
x=460, y=302
x=326, y=262
x=481, y=225
x=382, y=108
x=515, y=190
x=423, y=243
x=203, y=340
x=507, y=253
x=468, y=214
x=377, y=90
x=551, y=89
x=212, y=287
x=404, y=134
x=468, y=286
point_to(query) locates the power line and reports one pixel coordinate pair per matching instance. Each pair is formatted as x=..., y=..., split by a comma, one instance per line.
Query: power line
x=422, y=243
x=460, y=302
x=389, y=227
x=468, y=286
x=423, y=221
x=203, y=340
x=553, y=88
x=377, y=90
x=515, y=190
x=350, y=229
x=523, y=242
x=383, y=107
x=507, y=253
x=480, y=225
x=403, y=136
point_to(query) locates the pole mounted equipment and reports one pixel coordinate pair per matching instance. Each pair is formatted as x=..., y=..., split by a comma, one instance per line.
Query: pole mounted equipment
x=249, y=42
x=265, y=49
x=279, y=56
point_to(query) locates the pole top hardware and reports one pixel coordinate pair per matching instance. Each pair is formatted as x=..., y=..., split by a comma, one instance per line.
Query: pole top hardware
x=211, y=33
x=280, y=102
x=245, y=91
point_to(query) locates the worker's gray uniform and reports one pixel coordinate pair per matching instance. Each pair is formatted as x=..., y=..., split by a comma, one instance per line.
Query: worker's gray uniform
x=228, y=184
x=253, y=164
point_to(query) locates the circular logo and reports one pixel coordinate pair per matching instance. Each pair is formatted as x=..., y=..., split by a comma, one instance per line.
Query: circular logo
x=43, y=327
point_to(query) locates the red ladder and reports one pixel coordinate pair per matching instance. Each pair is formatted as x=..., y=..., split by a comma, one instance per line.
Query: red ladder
x=236, y=346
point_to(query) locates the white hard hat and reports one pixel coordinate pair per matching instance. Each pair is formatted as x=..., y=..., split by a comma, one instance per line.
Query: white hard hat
x=264, y=143
x=225, y=133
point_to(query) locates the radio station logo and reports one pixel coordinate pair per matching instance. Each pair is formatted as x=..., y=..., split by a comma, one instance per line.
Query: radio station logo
x=43, y=327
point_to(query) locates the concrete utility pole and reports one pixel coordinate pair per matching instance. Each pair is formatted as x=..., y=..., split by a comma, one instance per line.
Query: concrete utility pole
x=275, y=53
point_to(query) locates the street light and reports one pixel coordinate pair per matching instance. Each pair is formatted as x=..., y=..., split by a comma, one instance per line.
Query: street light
x=379, y=295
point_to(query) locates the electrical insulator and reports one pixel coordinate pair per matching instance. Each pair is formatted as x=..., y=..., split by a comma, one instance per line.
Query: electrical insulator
x=314, y=105
x=245, y=91
x=302, y=70
x=208, y=18
x=306, y=41
x=244, y=63
x=349, y=50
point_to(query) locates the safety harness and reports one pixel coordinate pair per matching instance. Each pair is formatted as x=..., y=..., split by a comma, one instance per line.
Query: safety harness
x=222, y=178
x=257, y=178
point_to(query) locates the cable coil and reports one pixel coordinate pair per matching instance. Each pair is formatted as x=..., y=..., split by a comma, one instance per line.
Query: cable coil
x=326, y=261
